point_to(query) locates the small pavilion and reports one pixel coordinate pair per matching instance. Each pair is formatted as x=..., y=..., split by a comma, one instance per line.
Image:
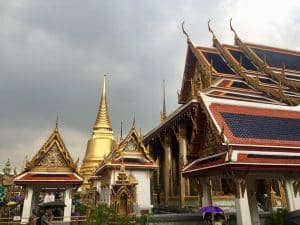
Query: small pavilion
x=51, y=176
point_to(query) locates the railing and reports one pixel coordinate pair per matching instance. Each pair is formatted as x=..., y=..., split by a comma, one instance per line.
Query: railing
x=75, y=220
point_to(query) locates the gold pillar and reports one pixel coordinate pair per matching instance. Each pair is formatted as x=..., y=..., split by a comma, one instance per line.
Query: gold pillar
x=182, y=142
x=167, y=166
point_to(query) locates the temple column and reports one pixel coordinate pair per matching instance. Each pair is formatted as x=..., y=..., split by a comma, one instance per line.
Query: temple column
x=253, y=203
x=167, y=167
x=182, y=142
x=206, y=192
x=68, y=203
x=292, y=188
x=27, y=205
x=243, y=216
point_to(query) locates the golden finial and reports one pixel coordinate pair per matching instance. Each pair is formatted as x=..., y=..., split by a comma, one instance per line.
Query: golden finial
x=121, y=135
x=141, y=134
x=233, y=30
x=209, y=28
x=133, y=122
x=56, y=124
x=231, y=27
x=102, y=120
x=7, y=163
x=184, y=32
x=163, y=114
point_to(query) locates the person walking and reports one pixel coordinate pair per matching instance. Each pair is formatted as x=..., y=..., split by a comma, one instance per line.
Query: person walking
x=46, y=217
x=208, y=219
x=32, y=220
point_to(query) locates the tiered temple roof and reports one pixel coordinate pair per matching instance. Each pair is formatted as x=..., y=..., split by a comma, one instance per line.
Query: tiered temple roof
x=250, y=94
x=130, y=152
x=51, y=165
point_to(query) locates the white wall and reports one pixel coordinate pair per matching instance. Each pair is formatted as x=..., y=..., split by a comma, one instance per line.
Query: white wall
x=143, y=187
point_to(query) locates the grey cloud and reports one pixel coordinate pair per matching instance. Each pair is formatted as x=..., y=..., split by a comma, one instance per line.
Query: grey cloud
x=54, y=54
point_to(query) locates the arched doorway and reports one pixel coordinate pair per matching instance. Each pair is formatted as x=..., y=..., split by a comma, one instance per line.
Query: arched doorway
x=123, y=204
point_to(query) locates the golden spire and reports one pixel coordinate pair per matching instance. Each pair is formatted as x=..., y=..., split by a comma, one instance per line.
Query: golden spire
x=102, y=120
x=100, y=144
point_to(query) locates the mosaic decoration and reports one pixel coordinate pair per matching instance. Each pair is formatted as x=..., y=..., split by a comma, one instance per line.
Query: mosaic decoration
x=131, y=146
x=53, y=158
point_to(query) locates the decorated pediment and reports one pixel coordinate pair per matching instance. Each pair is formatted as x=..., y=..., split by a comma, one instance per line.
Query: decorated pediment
x=131, y=146
x=52, y=156
x=132, y=143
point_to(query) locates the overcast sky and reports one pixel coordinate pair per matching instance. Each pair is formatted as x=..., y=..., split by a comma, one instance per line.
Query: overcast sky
x=53, y=55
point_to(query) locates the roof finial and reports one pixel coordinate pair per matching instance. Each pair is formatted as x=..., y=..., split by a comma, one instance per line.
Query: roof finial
x=163, y=114
x=233, y=30
x=133, y=122
x=231, y=27
x=56, y=123
x=209, y=29
x=121, y=135
x=184, y=32
x=141, y=134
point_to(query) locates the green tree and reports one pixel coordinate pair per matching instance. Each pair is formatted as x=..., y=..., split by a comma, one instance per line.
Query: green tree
x=144, y=219
x=278, y=216
x=99, y=215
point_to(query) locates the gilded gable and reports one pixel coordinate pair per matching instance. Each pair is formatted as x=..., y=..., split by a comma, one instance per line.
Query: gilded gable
x=53, y=156
x=131, y=146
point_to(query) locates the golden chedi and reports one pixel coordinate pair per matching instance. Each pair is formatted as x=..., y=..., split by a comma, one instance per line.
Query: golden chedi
x=101, y=142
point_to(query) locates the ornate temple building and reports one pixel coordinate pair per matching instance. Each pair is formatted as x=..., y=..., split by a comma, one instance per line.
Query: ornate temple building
x=234, y=141
x=102, y=162
x=50, y=176
x=131, y=154
x=7, y=188
x=100, y=144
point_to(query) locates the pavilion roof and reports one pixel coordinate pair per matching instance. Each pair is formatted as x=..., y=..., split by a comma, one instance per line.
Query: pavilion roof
x=52, y=164
x=130, y=152
x=252, y=125
x=235, y=160
x=49, y=178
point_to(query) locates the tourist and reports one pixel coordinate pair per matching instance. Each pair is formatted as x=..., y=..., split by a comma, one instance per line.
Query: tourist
x=32, y=220
x=36, y=211
x=208, y=219
x=46, y=217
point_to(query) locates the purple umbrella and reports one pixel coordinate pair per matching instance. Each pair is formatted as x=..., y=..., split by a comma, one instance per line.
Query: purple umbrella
x=211, y=209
